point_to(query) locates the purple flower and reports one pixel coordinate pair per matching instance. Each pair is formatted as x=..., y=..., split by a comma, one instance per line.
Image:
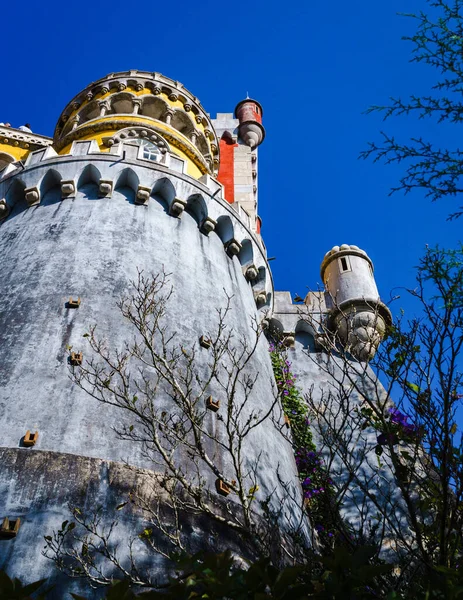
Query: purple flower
x=385, y=438
x=285, y=393
x=398, y=417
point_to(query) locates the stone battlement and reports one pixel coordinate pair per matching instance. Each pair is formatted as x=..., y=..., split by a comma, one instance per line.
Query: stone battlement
x=164, y=181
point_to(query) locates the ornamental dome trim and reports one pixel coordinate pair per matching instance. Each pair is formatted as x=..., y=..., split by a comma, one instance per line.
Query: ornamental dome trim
x=133, y=133
x=114, y=84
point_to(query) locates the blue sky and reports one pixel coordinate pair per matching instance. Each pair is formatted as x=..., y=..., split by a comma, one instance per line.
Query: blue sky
x=314, y=66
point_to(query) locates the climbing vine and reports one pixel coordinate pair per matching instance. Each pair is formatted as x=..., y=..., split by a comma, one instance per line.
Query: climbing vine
x=315, y=480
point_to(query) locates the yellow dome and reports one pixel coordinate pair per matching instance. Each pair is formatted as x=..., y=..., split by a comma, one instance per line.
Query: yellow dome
x=136, y=104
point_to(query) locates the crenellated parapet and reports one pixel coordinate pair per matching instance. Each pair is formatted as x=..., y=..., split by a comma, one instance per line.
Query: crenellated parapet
x=134, y=98
x=163, y=180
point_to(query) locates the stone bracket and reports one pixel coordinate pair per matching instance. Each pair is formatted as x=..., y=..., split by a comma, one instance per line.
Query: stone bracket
x=32, y=195
x=105, y=189
x=177, y=207
x=68, y=189
x=143, y=195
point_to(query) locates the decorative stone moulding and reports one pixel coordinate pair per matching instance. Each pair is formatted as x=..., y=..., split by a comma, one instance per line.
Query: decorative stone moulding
x=187, y=106
x=251, y=273
x=104, y=90
x=289, y=338
x=143, y=195
x=173, y=96
x=199, y=119
x=10, y=527
x=68, y=189
x=232, y=247
x=32, y=195
x=30, y=439
x=157, y=89
x=260, y=298
x=105, y=188
x=4, y=210
x=361, y=331
x=138, y=86
x=73, y=303
x=177, y=207
x=136, y=132
x=205, y=342
x=212, y=404
x=121, y=86
x=76, y=359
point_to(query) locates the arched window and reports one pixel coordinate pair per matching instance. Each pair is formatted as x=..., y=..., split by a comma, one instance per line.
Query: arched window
x=149, y=150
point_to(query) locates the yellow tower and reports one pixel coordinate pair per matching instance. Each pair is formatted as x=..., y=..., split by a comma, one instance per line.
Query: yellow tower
x=146, y=106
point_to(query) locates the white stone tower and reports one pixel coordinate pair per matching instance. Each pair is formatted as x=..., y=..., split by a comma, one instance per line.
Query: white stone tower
x=127, y=184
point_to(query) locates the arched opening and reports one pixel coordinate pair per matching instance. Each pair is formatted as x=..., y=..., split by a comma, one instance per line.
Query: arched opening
x=181, y=122
x=122, y=104
x=274, y=331
x=304, y=336
x=196, y=207
x=164, y=192
x=15, y=199
x=154, y=108
x=246, y=255
x=91, y=111
x=127, y=179
x=50, y=187
x=89, y=181
x=224, y=228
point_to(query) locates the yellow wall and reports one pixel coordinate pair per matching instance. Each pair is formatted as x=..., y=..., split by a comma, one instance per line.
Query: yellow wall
x=16, y=151
x=191, y=168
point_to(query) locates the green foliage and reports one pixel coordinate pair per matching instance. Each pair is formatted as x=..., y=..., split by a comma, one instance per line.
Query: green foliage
x=13, y=589
x=315, y=480
x=343, y=576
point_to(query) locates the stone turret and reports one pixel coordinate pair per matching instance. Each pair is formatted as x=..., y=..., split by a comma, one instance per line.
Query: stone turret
x=249, y=114
x=357, y=316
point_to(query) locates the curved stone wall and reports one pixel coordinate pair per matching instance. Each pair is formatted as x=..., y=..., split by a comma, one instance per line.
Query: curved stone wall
x=82, y=226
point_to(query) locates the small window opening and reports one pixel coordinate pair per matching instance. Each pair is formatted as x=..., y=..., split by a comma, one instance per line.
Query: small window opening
x=150, y=151
x=344, y=264
x=257, y=109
